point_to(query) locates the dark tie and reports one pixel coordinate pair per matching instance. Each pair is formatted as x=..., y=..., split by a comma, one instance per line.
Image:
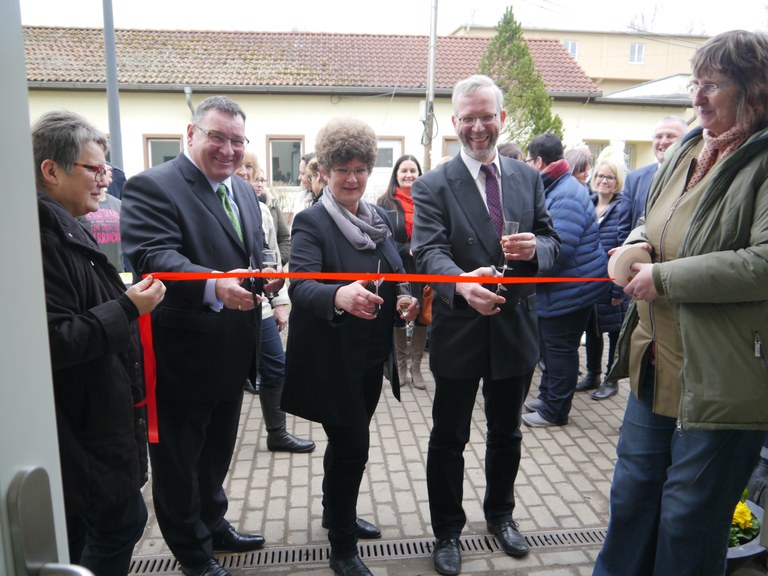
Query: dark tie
x=221, y=192
x=493, y=197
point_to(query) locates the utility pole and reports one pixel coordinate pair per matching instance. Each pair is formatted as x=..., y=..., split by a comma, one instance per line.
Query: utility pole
x=113, y=97
x=429, y=109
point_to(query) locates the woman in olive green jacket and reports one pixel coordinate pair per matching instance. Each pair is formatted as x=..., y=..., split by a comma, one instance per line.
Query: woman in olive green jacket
x=692, y=341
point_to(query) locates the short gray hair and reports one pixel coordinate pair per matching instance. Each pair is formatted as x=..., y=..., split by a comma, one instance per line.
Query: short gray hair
x=60, y=136
x=470, y=85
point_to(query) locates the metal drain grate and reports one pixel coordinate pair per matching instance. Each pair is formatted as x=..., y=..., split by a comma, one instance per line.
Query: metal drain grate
x=383, y=550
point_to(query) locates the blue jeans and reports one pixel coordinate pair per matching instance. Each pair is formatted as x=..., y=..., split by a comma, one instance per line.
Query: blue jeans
x=673, y=495
x=559, y=339
x=272, y=359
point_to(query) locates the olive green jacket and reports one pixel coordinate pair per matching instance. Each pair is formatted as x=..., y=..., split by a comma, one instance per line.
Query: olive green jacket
x=719, y=287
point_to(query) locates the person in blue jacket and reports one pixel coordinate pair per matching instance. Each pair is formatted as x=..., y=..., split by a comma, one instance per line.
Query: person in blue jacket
x=608, y=314
x=564, y=308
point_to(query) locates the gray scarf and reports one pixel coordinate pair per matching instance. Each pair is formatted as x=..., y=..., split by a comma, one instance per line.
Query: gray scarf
x=364, y=231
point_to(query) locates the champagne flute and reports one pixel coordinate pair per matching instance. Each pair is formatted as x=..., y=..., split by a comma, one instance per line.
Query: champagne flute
x=510, y=227
x=269, y=264
x=404, y=299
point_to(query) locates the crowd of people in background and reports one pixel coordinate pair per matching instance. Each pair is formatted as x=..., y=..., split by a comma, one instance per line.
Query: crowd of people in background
x=687, y=329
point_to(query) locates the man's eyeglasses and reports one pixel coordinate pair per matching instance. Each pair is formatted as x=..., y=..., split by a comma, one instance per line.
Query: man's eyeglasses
x=99, y=172
x=345, y=173
x=530, y=160
x=470, y=120
x=706, y=89
x=606, y=177
x=219, y=139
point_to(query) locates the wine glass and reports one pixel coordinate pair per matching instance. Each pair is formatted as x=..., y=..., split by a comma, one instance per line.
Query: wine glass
x=404, y=298
x=269, y=264
x=510, y=227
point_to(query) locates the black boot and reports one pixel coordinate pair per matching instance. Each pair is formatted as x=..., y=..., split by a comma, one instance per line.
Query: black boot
x=589, y=382
x=607, y=389
x=278, y=438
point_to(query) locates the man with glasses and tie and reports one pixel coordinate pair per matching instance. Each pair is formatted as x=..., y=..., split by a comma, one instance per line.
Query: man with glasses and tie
x=479, y=331
x=192, y=215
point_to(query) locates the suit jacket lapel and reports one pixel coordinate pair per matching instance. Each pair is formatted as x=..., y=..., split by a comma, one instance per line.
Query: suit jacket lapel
x=468, y=198
x=202, y=189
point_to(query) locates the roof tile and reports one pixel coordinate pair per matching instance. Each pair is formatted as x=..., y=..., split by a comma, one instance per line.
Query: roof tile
x=286, y=60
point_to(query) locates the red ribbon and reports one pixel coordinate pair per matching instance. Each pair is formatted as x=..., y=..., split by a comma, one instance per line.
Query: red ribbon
x=145, y=324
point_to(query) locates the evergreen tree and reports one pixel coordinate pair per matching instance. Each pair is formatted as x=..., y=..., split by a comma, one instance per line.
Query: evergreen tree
x=508, y=61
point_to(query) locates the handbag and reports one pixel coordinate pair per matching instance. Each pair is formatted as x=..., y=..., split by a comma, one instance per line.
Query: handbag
x=425, y=316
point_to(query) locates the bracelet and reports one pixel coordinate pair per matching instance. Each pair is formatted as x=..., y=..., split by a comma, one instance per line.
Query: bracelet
x=337, y=311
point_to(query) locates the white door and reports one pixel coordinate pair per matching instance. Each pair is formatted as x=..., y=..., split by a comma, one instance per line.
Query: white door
x=27, y=418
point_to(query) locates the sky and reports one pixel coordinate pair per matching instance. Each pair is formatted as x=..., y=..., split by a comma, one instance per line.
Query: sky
x=402, y=16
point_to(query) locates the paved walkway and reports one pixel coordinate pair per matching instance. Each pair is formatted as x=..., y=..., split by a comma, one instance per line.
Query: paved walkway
x=562, y=487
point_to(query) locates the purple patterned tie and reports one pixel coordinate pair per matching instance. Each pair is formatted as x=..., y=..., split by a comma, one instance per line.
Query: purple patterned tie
x=493, y=197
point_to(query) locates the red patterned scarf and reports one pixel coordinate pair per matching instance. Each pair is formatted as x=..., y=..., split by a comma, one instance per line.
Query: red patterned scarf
x=406, y=201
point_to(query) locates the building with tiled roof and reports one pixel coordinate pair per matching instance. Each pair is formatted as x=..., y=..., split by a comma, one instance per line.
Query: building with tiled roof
x=291, y=83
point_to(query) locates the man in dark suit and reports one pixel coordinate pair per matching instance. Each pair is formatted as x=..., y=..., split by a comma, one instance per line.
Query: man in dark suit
x=668, y=131
x=479, y=331
x=191, y=215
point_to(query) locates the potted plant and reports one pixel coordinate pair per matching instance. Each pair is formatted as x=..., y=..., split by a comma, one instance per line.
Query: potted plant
x=745, y=530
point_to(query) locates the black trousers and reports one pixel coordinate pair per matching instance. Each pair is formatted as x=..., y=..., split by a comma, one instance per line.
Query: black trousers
x=343, y=464
x=103, y=541
x=451, y=417
x=189, y=465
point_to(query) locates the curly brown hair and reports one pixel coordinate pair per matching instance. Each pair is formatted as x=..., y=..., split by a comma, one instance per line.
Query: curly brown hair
x=343, y=140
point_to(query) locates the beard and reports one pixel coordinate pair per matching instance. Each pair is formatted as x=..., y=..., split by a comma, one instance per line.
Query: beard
x=481, y=154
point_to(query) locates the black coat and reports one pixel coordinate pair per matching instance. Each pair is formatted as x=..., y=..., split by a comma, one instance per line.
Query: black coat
x=96, y=362
x=610, y=317
x=172, y=221
x=327, y=354
x=452, y=234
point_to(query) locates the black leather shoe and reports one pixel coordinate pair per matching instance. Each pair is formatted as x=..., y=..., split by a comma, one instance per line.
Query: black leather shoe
x=283, y=441
x=607, y=389
x=365, y=530
x=232, y=540
x=349, y=566
x=447, y=556
x=212, y=568
x=509, y=537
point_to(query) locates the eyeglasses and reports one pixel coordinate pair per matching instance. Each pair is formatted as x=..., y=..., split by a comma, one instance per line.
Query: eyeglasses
x=99, y=172
x=607, y=178
x=260, y=180
x=219, y=139
x=530, y=160
x=470, y=120
x=706, y=89
x=345, y=173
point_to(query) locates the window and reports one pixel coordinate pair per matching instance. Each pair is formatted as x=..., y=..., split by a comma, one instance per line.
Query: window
x=160, y=148
x=573, y=47
x=284, y=157
x=451, y=147
x=636, y=53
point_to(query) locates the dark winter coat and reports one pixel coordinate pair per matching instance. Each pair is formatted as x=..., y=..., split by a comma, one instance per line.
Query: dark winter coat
x=580, y=256
x=95, y=358
x=609, y=317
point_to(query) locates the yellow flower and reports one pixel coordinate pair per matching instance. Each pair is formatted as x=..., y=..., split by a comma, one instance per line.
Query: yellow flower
x=742, y=516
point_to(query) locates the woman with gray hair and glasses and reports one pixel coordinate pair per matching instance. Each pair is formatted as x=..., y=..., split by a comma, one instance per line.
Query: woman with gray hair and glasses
x=692, y=342
x=96, y=359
